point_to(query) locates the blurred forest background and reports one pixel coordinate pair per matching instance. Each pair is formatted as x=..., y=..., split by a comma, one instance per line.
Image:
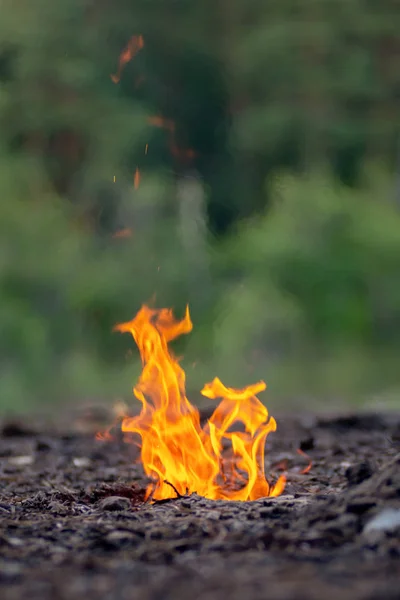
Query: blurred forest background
x=240, y=156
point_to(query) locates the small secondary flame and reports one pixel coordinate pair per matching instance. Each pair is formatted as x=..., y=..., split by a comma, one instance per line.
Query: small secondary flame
x=176, y=450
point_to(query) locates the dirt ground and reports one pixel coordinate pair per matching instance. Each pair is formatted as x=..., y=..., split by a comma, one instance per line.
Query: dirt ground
x=73, y=523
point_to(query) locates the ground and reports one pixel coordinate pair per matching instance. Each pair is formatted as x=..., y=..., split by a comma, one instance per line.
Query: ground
x=73, y=523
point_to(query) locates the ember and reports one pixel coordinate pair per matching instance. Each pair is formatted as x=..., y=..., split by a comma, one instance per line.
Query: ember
x=135, y=44
x=176, y=451
x=136, y=179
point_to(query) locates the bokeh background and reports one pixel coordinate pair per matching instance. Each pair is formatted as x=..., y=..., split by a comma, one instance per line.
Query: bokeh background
x=241, y=156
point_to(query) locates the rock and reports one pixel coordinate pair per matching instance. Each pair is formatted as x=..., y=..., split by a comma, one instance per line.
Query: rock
x=386, y=520
x=118, y=538
x=15, y=542
x=114, y=503
x=81, y=461
x=21, y=461
x=213, y=515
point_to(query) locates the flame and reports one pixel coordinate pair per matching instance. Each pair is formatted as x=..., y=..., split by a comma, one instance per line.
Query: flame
x=307, y=469
x=123, y=233
x=176, y=451
x=136, y=179
x=182, y=153
x=135, y=44
x=159, y=121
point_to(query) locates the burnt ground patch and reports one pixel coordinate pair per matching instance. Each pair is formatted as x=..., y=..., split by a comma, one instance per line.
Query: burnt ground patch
x=74, y=524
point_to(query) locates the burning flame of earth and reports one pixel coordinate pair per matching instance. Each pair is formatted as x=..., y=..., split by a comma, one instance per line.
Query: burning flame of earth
x=176, y=450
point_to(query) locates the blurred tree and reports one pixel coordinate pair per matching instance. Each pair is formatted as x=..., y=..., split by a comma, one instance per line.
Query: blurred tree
x=231, y=91
x=249, y=87
x=58, y=102
x=316, y=280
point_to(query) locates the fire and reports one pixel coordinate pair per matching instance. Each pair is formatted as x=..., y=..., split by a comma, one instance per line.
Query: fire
x=308, y=468
x=136, y=179
x=135, y=44
x=182, y=154
x=159, y=121
x=123, y=233
x=176, y=450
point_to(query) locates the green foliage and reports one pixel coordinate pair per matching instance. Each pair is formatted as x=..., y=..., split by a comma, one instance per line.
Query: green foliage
x=305, y=293
x=62, y=292
x=306, y=297
x=318, y=279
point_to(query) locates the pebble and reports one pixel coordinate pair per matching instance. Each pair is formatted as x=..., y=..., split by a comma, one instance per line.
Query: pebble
x=213, y=515
x=81, y=462
x=21, y=461
x=114, y=503
x=386, y=520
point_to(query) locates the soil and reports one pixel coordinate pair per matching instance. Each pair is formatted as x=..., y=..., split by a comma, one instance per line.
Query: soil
x=73, y=523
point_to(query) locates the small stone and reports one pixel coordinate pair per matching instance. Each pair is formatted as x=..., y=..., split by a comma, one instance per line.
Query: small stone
x=387, y=520
x=81, y=462
x=345, y=464
x=114, y=503
x=213, y=515
x=15, y=542
x=21, y=461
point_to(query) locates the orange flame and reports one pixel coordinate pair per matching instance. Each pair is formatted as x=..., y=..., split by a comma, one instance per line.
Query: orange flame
x=159, y=121
x=182, y=153
x=135, y=44
x=136, y=179
x=123, y=233
x=307, y=469
x=175, y=449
